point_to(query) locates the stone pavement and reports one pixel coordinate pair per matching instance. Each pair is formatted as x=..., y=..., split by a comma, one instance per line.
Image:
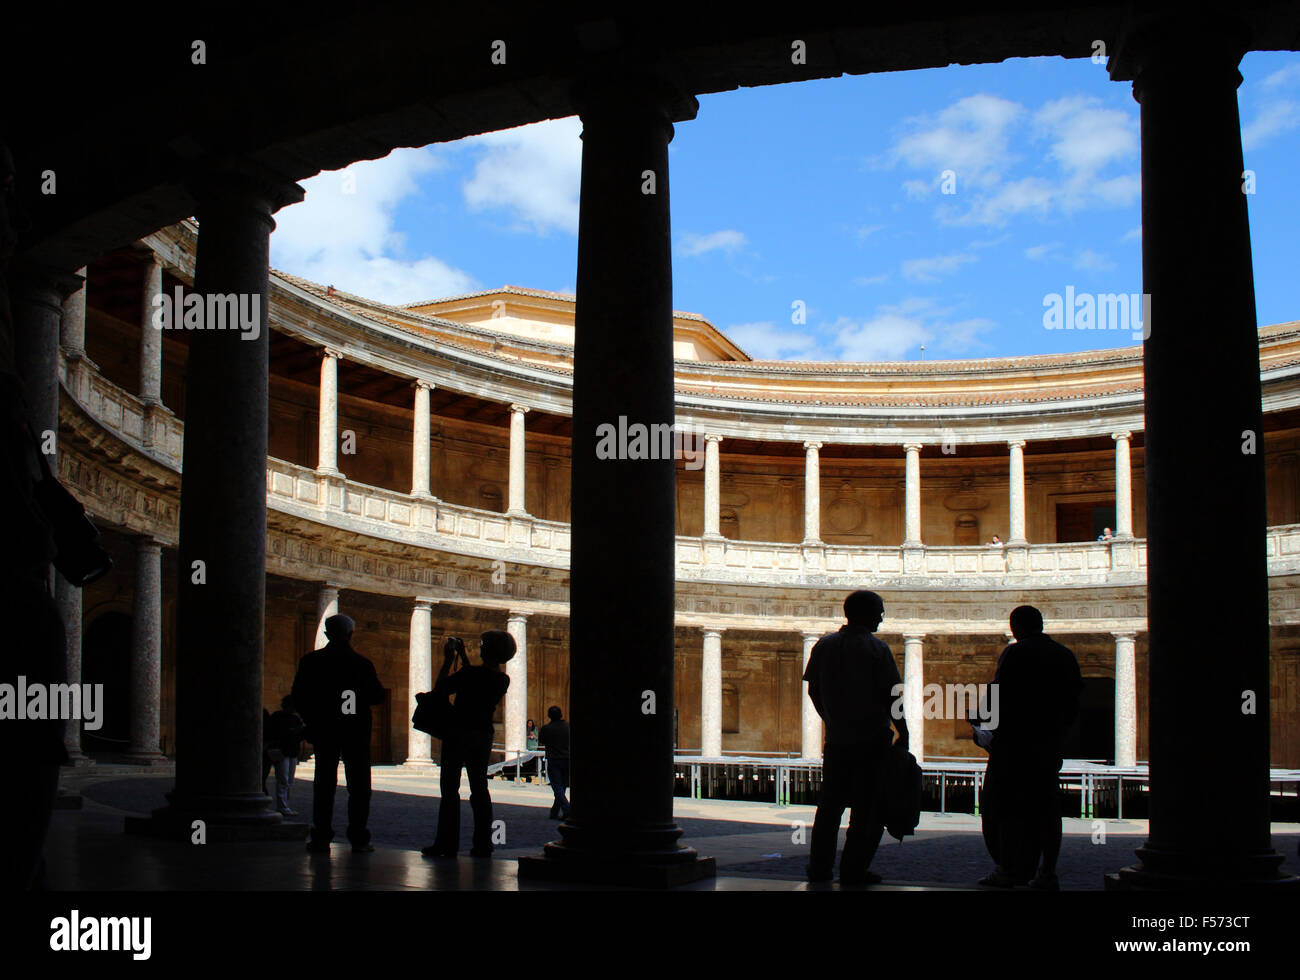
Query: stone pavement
x=757, y=845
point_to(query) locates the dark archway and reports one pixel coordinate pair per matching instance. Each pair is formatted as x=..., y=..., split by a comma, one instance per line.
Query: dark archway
x=106, y=659
x=1092, y=736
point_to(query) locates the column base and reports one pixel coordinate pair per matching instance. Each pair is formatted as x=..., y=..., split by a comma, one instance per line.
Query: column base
x=78, y=760
x=560, y=863
x=242, y=817
x=1184, y=871
x=421, y=764
x=145, y=759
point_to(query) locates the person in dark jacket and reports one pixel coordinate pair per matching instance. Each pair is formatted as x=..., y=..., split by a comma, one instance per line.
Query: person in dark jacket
x=554, y=737
x=851, y=679
x=284, y=735
x=334, y=691
x=477, y=690
x=1038, y=686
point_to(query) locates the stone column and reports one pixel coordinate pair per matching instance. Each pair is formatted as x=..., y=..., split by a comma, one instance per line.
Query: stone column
x=1125, y=699
x=73, y=331
x=518, y=458
x=419, y=674
x=811, y=721
x=220, y=616
x=621, y=827
x=712, y=486
x=420, y=441
x=328, y=455
x=812, y=494
x=146, y=654
x=70, y=611
x=37, y=304
x=1201, y=368
x=327, y=605
x=912, y=495
x=1017, y=484
x=1123, y=486
x=516, y=733
x=711, y=696
x=150, y=335
x=913, y=692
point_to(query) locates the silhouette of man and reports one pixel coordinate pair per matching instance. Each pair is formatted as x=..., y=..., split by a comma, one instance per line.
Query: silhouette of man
x=554, y=737
x=1038, y=685
x=851, y=677
x=478, y=689
x=284, y=735
x=333, y=691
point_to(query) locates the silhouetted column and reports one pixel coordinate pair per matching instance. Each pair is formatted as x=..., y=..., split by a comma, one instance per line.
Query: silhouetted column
x=1017, y=485
x=220, y=615
x=621, y=827
x=516, y=713
x=912, y=494
x=1125, y=699
x=419, y=745
x=1123, y=486
x=327, y=605
x=711, y=696
x=328, y=428
x=515, y=506
x=810, y=721
x=70, y=611
x=37, y=308
x=73, y=331
x=1202, y=403
x=150, y=335
x=712, y=487
x=812, y=494
x=420, y=441
x=146, y=654
x=913, y=692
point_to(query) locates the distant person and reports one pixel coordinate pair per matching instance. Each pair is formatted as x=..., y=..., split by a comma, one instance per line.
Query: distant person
x=530, y=736
x=1038, y=686
x=996, y=540
x=478, y=689
x=555, y=738
x=334, y=691
x=285, y=731
x=1105, y=535
x=851, y=679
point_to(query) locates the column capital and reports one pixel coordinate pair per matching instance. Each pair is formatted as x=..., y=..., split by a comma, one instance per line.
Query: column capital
x=425, y=602
x=608, y=94
x=333, y=352
x=812, y=634
x=713, y=630
x=151, y=258
x=422, y=383
x=1124, y=634
x=516, y=407
x=517, y=616
x=912, y=447
x=147, y=542
x=247, y=182
x=1016, y=443
x=1123, y=434
x=913, y=637
x=812, y=445
x=714, y=437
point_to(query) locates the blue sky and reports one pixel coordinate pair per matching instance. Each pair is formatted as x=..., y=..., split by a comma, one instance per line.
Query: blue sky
x=828, y=194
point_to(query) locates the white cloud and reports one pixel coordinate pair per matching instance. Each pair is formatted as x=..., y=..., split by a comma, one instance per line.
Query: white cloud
x=1086, y=258
x=969, y=138
x=766, y=341
x=1133, y=234
x=342, y=233
x=1283, y=76
x=1036, y=253
x=866, y=231
x=1273, y=118
x=871, y=280
x=532, y=172
x=931, y=269
x=884, y=337
x=728, y=240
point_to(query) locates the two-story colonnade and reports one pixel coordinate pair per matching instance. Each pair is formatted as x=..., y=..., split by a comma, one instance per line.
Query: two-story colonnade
x=418, y=479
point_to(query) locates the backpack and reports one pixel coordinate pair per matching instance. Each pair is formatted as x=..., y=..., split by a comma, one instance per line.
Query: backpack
x=433, y=714
x=902, y=809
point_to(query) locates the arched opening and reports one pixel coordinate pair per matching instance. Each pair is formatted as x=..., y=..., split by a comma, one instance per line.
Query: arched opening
x=1092, y=736
x=106, y=660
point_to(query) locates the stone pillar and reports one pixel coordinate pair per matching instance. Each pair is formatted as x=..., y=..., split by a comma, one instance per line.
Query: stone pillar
x=812, y=494
x=73, y=331
x=419, y=674
x=37, y=304
x=712, y=487
x=70, y=611
x=912, y=495
x=1123, y=486
x=515, y=507
x=146, y=654
x=1201, y=368
x=327, y=605
x=220, y=616
x=811, y=721
x=913, y=692
x=1125, y=698
x=516, y=720
x=621, y=828
x=150, y=335
x=328, y=454
x=711, y=696
x=1017, y=484
x=420, y=441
